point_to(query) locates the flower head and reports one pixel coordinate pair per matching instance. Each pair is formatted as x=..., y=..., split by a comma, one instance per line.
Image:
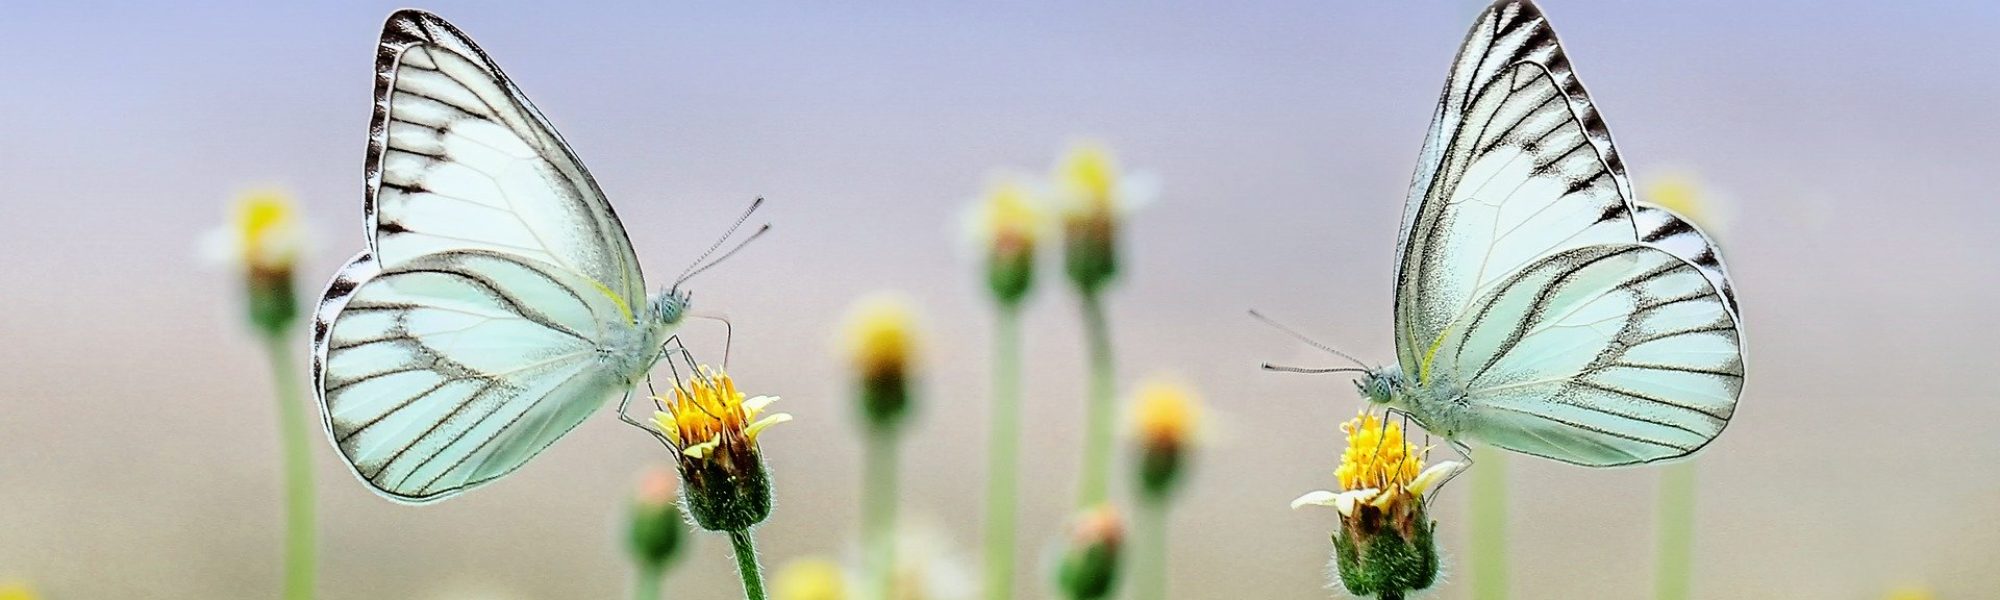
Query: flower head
x=713, y=429
x=811, y=578
x=1683, y=194
x=881, y=338
x=16, y=590
x=1089, y=568
x=1008, y=227
x=1095, y=194
x=1385, y=542
x=1166, y=420
x=656, y=524
x=263, y=240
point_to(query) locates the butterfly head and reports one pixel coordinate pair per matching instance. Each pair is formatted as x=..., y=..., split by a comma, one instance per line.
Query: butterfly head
x=1381, y=385
x=669, y=306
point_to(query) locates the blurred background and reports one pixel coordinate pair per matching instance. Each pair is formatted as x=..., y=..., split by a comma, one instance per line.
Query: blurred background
x=1847, y=146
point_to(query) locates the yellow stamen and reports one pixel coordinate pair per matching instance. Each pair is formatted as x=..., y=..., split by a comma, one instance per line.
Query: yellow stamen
x=1377, y=455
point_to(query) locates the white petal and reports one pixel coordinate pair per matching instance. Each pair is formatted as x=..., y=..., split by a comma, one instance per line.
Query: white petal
x=1320, y=497
x=1434, y=475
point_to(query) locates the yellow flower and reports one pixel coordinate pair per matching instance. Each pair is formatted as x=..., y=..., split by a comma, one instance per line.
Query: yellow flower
x=1008, y=226
x=1386, y=541
x=1912, y=592
x=16, y=590
x=1094, y=194
x=881, y=339
x=810, y=579
x=707, y=414
x=1009, y=220
x=880, y=335
x=713, y=430
x=1166, y=421
x=265, y=231
x=1682, y=193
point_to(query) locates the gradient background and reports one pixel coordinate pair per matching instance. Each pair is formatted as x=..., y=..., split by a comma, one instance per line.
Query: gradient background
x=1853, y=143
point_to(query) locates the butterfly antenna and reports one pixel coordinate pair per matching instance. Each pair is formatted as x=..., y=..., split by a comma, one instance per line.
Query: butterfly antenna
x=1309, y=341
x=1290, y=369
x=725, y=256
x=696, y=266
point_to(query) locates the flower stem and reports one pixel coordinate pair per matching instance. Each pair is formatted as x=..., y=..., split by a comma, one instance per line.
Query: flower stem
x=1676, y=552
x=1003, y=454
x=293, y=437
x=1093, y=490
x=647, y=586
x=746, y=564
x=1489, y=523
x=878, y=511
x=1151, y=525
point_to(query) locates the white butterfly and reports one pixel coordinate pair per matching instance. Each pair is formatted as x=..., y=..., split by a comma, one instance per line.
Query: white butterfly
x=499, y=301
x=1539, y=308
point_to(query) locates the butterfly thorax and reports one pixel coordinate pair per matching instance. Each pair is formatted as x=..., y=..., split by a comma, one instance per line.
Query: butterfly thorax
x=1436, y=404
x=633, y=348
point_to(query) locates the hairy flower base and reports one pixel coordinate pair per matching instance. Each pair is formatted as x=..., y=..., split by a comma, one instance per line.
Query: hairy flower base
x=726, y=494
x=1386, y=549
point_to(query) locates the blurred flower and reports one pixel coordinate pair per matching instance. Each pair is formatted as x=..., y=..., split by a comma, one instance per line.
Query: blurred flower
x=1089, y=568
x=1683, y=193
x=1008, y=225
x=810, y=578
x=713, y=430
x=1095, y=195
x=881, y=339
x=263, y=240
x=1166, y=422
x=16, y=590
x=1912, y=592
x=1385, y=544
x=656, y=522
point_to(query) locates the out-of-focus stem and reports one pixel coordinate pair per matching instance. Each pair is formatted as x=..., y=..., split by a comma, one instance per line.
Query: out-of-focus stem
x=1674, y=574
x=1489, y=523
x=295, y=441
x=1003, y=454
x=878, y=511
x=1094, y=488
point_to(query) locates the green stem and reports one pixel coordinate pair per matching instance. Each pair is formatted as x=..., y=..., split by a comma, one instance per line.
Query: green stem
x=1676, y=552
x=878, y=511
x=1489, y=523
x=746, y=564
x=1003, y=454
x=1098, y=421
x=647, y=587
x=1151, y=523
x=295, y=441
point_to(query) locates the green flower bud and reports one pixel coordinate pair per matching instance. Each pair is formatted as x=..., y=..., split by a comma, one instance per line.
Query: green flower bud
x=1089, y=569
x=657, y=526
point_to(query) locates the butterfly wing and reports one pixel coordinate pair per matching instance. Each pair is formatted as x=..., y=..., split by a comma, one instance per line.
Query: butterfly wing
x=1517, y=166
x=469, y=336
x=459, y=159
x=1674, y=233
x=448, y=370
x=1604, y=355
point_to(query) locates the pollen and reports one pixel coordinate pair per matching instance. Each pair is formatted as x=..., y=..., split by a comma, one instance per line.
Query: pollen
x=1377, y=455
x=707, y=411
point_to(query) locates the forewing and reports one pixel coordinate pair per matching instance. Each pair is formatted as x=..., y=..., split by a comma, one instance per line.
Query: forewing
x=459, y=159
x=1517, y=166
x=448, y=370
x=1674, y=233
x=1603, y=355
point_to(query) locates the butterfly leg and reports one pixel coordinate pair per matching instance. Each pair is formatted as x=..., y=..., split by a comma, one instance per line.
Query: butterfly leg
x=627, y=418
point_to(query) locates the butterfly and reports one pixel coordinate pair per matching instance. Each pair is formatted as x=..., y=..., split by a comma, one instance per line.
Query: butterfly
x=1539, y=307
x=499, y=301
